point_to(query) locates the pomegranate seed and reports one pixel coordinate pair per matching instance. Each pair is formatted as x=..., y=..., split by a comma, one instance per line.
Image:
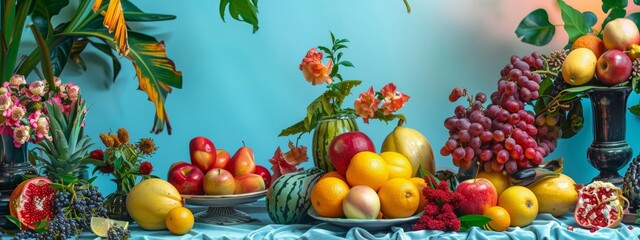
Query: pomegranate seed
x=570, y=228
x=593, y=229
x=630, y=227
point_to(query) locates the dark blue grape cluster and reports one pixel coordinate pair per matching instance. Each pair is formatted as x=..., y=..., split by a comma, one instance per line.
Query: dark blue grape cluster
x=28, y=235
x=118, y=233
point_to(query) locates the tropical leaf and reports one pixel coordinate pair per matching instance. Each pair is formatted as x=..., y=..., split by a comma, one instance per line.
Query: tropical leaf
x=156, y=74
x=241, y=10
x=60, y=54
x=574, y=22
x=535, y=28
x=114, y=21
x=614, y=14
x=635, y=109
x=43, y=12
x=590, y=18
x=612, y=4
x=76, y=48
x=134, y=14
x=103, y=47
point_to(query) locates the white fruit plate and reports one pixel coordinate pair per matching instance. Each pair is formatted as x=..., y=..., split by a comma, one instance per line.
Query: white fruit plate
x=221, y=210
x=368, y=224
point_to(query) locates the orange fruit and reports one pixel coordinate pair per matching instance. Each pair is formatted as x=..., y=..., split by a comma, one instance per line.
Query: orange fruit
x=327, y=196
x=500, y=219
x=179, y=220
x=334, y=174
x=369, y=169
x=579, y=67
x=399, y=165
x=500, y=180
x=420, y=184
x=399, y=198
x=591, y=42
x=521, y=204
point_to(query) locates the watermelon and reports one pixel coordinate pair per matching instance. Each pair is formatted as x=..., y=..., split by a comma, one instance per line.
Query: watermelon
x=289, y=196
x=327, y=129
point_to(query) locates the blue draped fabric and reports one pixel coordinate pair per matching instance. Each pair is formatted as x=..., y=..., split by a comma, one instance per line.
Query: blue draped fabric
x=544, y=227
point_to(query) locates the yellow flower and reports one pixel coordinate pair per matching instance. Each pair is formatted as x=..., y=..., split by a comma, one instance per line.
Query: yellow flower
x=123, y=135
x=147, y=146
x=106, y=140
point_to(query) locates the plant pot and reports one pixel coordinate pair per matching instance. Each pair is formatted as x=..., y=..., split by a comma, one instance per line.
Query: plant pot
x=609, y=151
x=116, y=203
x=327, y=129
x=14, y=165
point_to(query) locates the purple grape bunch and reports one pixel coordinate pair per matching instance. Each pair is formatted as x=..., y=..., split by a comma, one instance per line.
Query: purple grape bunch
x=503, y=135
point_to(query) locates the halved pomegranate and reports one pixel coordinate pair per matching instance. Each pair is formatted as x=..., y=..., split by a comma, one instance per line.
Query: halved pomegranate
x=600, y=204
x=32, y=201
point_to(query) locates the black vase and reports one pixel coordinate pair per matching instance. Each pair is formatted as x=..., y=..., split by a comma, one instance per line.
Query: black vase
x=609, y=151
x=116, y=203
x=13, y=165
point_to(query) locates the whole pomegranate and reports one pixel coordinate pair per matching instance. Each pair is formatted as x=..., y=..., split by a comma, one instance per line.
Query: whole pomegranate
x=32, y=201
x=600, y=204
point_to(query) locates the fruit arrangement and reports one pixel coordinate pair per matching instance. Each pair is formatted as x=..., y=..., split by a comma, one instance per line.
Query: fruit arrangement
x=214, y=172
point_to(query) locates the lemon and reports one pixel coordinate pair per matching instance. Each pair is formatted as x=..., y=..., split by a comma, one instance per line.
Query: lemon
x=100, y=226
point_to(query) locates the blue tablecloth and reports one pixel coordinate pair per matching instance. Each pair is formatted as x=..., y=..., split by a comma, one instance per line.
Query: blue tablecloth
x=544, y=227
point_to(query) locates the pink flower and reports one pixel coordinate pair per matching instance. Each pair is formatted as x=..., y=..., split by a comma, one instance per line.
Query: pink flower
x=296, y=155
x=279, y=165
x=20, y=135
x=5, y=102
x=366, y=105
x=314, y=70
x=17, y=80
x=42, y=129
x=14, y=114
x=393, y=100
x=36, y=90
x=72, y=92
x=33, y=118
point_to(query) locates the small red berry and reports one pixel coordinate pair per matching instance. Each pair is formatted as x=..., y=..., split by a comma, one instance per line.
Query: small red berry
x=630, y=227
x=570, y=228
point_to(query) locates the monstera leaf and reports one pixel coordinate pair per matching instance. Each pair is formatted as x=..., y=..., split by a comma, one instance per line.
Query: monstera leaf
x=241, y=10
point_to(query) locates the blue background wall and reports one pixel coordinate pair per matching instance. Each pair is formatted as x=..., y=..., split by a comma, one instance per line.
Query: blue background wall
x=240, y=86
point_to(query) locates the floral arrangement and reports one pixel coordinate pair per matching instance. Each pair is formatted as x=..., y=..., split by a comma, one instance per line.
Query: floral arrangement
x=370, y=105
x=22, y=107
x=123, y=159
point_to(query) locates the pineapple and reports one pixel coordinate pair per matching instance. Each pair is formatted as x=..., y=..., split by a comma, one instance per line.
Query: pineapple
x=68, y=148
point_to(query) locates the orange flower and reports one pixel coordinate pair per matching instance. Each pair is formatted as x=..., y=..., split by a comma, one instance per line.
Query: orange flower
x=366, y=105
x=393, y=100
x=279, y=166
x=314, y=70
x=296, y=155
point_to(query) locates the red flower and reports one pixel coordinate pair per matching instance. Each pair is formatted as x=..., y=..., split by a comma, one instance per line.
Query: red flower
x=145, y=168
x=107, y=168
x=97, y=154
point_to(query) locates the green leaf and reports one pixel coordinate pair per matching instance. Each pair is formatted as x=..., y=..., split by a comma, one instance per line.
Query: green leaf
x=76, y=48
x=42, y=226
x=472, y=220
x=535, y=28
x=45, y=61
x=612, y=4
x=346, y=64
x=135, y=14
x=295, y=128
x=43, y=12
x=590, y=18
x=635, y=109
x=13, y=220
x=614, y=14
x=580, y=89
x=241, y=10
x=574, y=22
x=60, y=55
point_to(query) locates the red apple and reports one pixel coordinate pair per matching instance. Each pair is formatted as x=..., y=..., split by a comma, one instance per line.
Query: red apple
x=187, y=178
x=222, y=158
x=266, y=175
x=480, y=194
x=219, y=182
x=620, y=33
x=175, y=164
x=249, y=182
x=344, y=146
x=242, y=162
x=203, y=153
x=613, y=67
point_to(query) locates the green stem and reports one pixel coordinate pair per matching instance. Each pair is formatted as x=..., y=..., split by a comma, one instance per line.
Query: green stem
x=406, y=4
